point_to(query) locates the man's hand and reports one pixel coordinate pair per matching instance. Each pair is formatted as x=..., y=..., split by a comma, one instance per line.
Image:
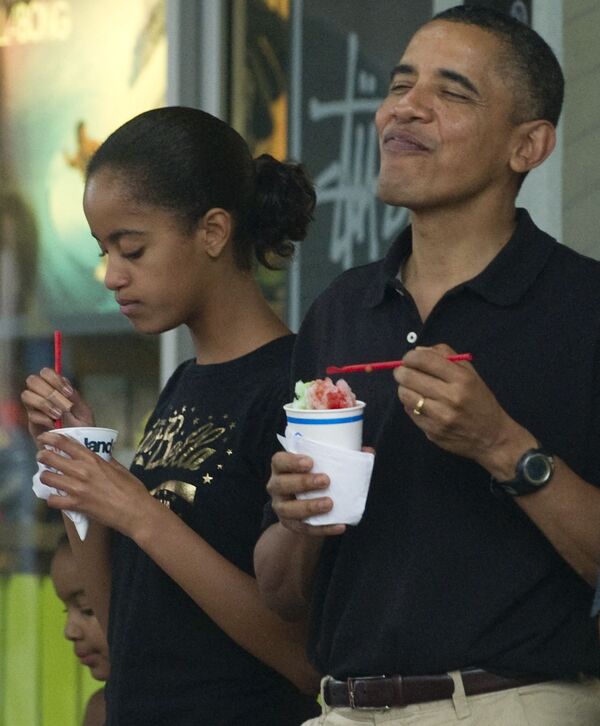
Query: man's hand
x=291, y=475
x=456, y=410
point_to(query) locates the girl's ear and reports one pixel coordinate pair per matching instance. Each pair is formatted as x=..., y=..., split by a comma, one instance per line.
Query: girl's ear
x=535, y=142
x=215, y=228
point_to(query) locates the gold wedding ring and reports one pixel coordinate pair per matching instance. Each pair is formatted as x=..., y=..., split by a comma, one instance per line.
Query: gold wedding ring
x=418, y=409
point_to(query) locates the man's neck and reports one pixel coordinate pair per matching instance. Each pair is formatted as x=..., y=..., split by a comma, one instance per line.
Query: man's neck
x=450, y=247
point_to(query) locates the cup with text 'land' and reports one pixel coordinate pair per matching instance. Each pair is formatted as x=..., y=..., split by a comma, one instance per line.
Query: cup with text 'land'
x=97, y=439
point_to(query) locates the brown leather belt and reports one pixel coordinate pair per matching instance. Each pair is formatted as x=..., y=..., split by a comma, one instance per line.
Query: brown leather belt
x=382, y=692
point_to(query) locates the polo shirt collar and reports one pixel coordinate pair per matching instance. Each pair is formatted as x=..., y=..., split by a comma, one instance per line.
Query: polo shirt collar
x=514, y=269
x=503, y=282
x=386, y=277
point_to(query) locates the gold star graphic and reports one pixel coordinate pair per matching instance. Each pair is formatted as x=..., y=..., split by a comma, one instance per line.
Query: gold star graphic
x=229, y=452
x=232, y=425
x=219, y=466
x=206, y=479
x=226, y=415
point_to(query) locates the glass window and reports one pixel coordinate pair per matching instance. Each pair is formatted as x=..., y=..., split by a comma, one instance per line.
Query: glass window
x=70, y=72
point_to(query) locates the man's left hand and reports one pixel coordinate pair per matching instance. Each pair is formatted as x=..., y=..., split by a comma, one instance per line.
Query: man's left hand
x=457, y=411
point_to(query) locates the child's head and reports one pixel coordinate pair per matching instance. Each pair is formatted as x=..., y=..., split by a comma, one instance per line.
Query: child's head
x=182, y=212
x=187, y=161
x=82, y=627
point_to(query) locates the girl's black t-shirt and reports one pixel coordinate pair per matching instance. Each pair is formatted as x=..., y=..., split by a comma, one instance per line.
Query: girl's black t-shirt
x=206, y=454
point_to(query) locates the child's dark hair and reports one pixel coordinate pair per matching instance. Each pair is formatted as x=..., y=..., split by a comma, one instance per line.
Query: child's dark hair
x=185, y=160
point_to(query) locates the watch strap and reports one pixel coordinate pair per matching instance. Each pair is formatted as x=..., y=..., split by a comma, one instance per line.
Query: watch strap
x=521, y=485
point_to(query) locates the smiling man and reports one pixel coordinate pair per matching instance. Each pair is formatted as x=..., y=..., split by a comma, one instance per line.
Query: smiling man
x=464, y=594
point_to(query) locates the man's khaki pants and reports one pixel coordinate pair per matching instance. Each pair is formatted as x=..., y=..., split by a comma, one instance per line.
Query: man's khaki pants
x=554, y=703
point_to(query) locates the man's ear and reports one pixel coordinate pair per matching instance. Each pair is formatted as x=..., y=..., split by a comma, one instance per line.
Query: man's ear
x=535, y=141
x=215, y=230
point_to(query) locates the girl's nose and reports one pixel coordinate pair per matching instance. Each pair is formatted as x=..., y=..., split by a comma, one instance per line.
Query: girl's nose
x=115, y=277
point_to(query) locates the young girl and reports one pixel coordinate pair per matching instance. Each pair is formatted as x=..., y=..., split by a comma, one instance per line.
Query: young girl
x=181, y=212
x=82, y=627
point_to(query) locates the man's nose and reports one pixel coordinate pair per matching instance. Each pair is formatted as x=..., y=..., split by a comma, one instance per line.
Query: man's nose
x=416, y=103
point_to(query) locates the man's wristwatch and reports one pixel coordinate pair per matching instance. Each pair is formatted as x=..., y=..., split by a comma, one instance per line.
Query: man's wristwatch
x=534, y=470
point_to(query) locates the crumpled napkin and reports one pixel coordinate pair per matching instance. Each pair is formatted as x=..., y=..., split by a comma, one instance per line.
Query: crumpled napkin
x=42, y=491
x=349, y=474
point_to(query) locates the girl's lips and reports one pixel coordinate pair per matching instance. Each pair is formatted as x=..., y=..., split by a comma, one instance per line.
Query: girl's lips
x=127, y=307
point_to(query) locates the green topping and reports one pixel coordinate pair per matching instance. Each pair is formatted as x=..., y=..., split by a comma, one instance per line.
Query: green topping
x=300, y=394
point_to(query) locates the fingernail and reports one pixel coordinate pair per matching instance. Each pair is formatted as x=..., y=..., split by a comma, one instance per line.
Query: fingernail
x=67, y=390
x=304, y=463
x=56, y=412
x=322, y=506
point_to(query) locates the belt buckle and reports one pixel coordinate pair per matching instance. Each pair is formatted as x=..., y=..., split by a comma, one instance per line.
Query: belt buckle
x=351, y=696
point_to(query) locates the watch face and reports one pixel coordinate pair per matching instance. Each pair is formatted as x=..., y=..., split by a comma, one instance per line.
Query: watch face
x=537, y=468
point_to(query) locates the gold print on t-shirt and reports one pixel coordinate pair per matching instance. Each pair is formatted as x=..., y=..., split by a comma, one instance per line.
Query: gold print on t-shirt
x=166, y=446
x=182, y=489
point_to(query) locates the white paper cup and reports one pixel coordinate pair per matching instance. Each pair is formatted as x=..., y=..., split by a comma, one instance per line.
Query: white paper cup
x=341, y=427
x=95, y=438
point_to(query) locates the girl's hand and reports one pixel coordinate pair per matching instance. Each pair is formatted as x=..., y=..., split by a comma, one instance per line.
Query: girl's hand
x=103, y=490
x=48, y=397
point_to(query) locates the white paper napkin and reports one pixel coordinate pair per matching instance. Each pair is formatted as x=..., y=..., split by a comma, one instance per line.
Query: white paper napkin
x=349, y=474
x=43, y=492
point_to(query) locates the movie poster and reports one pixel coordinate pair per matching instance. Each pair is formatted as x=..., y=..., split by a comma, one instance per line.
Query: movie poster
x=71, y=71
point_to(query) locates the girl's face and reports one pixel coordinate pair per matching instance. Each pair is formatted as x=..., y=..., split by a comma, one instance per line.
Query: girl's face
x=160, y=275
x=82, y=628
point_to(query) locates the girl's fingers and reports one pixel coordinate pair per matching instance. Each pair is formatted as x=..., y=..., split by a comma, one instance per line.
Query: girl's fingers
x=69, y=446
x=42, y=397
x=55, y=381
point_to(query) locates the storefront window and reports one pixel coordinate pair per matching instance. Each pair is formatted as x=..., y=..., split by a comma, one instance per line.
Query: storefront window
x=70, y=72
x=307, y=77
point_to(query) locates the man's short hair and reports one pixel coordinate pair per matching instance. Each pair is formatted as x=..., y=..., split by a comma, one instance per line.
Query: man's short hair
x=529, y=64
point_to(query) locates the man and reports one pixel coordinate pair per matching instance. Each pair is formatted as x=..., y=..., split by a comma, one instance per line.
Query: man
x=464, y=594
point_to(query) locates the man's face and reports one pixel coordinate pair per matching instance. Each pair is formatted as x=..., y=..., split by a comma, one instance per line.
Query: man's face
x=445, y=130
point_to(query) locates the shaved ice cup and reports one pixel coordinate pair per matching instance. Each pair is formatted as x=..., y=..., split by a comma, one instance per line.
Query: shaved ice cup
x=97, y=439
x=339, y=431
x=341, y=427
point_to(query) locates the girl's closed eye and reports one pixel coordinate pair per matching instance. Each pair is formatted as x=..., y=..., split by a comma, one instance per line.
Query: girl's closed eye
x=134, y=255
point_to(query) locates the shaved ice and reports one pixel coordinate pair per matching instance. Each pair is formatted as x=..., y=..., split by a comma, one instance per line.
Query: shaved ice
x=323, y=393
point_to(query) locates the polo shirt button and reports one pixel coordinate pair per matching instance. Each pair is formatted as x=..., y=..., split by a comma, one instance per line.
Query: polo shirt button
x=412, y=337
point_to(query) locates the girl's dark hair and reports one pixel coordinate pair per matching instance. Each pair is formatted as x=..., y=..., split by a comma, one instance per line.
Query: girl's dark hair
x=185, y=160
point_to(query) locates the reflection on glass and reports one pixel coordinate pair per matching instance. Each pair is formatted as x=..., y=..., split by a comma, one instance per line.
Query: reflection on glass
x=259, y=99
x=70, y=73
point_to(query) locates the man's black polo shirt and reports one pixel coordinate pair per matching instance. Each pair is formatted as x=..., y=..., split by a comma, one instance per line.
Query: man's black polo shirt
x=440, y=574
